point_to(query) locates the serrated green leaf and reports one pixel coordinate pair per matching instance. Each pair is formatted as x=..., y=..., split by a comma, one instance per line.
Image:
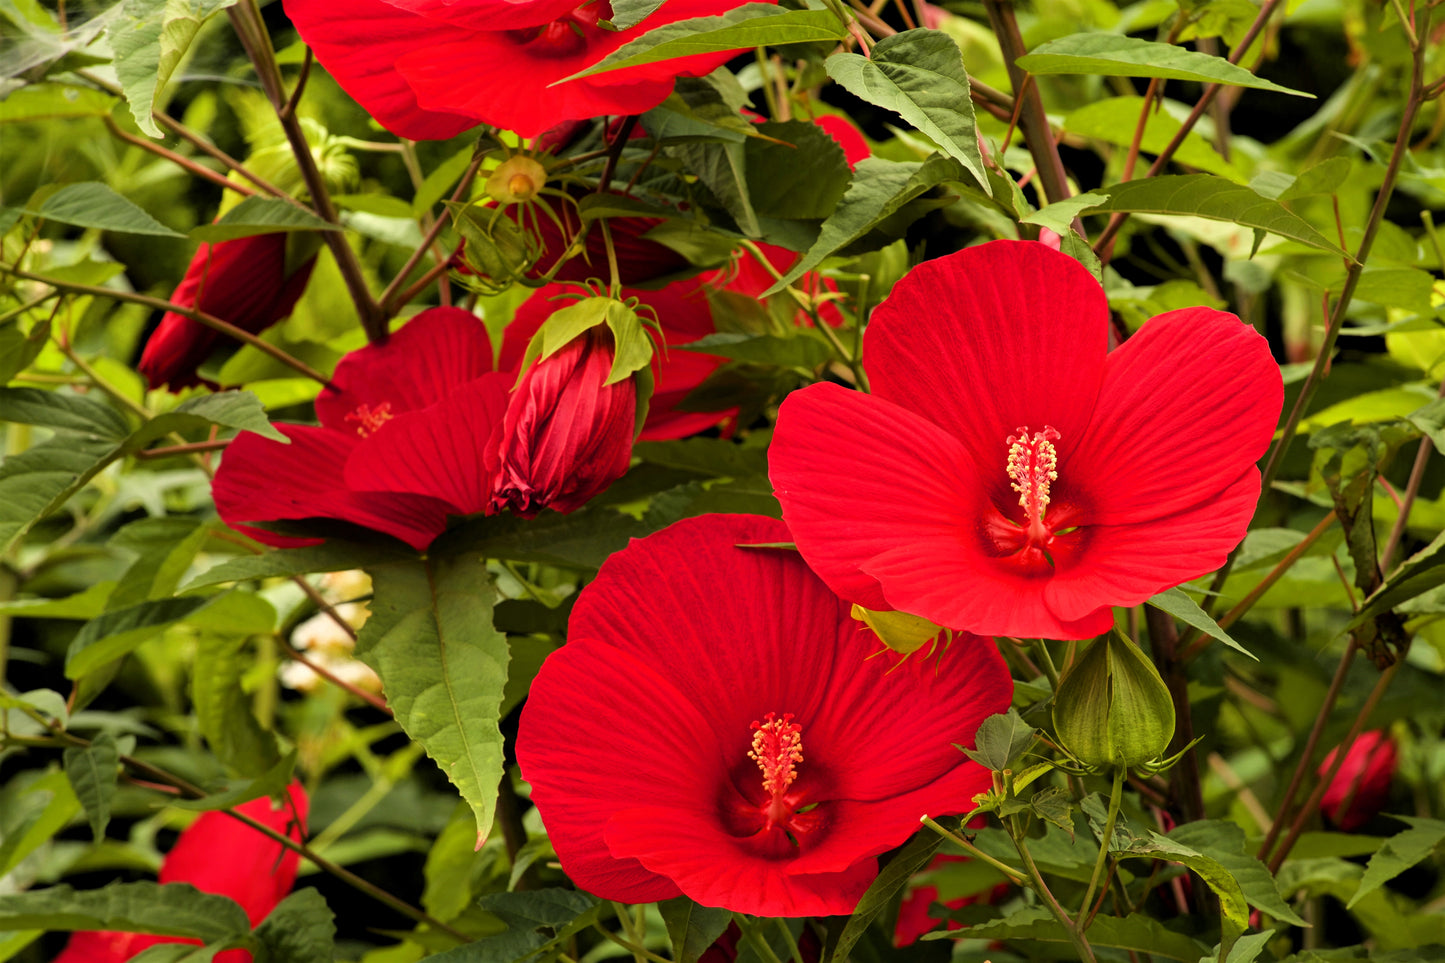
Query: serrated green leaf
x=1000, y=739
x=36, y=482
x=798, y=350
x=629, y=13
x=692, y=928
x=223, y=709
x=175, y=909
x=1136, y=932
x=919, y=75
x=1399, y=853
x=92, y=772
x=1178, y=604
x=443, y=666
x=1059, y=216
x=1225, y=843
x=1213, y=198
x=801, y=178
x=93, y=204
x=449, y=866
x=19, y=348
x=62, y=411
x=535, y=921
x=301, y=929
x=33, y=808
x=149, y=38
x=1053, y=804
x=1115, y=55
x=264, y=215
x=1419, y=574
x=751, y=25
x=240, y=410
x=167, y=547
x=722, y=167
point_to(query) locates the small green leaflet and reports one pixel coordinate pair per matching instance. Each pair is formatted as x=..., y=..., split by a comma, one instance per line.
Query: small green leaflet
x=1185, y=609
x=92, y=204
x=261, y=215
x=1119, y=56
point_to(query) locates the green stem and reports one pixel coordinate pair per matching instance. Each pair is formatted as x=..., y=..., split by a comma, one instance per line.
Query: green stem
x=1013, y=875
x=1046, y=661
x=795, y=953
x=1115, y=796
x=1036, y=879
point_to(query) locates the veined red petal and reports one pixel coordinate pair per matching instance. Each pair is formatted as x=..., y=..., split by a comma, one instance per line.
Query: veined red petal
x=1129, y=563
x=359, y=43
x=423, y=362
x=1187, y=404
x=990, y=339
x=439, y=451
x=265, y=481
x=488, y=14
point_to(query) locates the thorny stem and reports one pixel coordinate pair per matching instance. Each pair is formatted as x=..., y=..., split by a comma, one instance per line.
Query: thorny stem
x=1311, y=741
x=1115, y=797
x=246, y=20
x=192, y=791
x=209, y=320
x=1032, y=120
x=1321, y=785
x=389, y=300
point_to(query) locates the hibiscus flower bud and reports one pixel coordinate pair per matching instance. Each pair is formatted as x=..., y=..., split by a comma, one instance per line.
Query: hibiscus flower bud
x=1361, y=787
x=568, y=433
x=1112, y=709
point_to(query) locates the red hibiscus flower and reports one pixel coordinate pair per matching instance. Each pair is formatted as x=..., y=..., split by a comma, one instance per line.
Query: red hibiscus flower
x=684, y=314
x=242, y=281
x=222, y=856
x=1362, y=786
x=402, y=441
x=567, y=434
x=1007, y=476
x=430, y=69
x=718, y=726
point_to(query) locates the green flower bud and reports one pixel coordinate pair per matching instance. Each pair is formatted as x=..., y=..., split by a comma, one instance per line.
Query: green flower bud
x=517, y=179
x=1112, y=709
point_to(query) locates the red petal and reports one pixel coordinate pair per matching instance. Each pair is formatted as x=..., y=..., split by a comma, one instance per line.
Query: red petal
x=990, y=339
x=841, y=129
x=712, y=869
x=490, y=15
x=428, y=358
x=224, y=856
x=506, y=78
x=438, y=451
x=265, y=481
x=1187, y=404
x=359, y=42
x=1127, y=564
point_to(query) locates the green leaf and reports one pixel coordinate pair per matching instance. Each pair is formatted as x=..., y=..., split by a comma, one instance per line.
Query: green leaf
x=1000, y=740
x=149, y=38
x=223, y=709
x=800, y=179
x=36, y=482
x=1399, y=853
x=92, y=772
x=722, y=167
x=1225, y=843
x=335, y=555
x=1059, y=216
x=919, y=75
x=879, y=189
x=692, y=928
x=1114, y=55
x=51, y=101
x=629, y=13
x=33, y=808
x=450, y=864
x=301, y=929
x=1114, y=119
x=1135, y=932
x=535, y=921
x=271, y=783
x=1419, y=574
x=62, y=411
x=882, y=891
x=240, y=410
x=1178, y=604
x=19, y=348
x=583, y=539
x=167, y=547
x=1053, y=804
x=1213, y=198
x=443, y=666
x=82, y=605
x=799, y=349
x=1323, y=178
x=263, y=215
x=117, y=633
x=751, y=25
x=92, y=204
x=175, y=909
x=1431, y=420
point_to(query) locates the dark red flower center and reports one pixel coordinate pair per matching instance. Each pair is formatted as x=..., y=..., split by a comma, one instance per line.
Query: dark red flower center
x=775, y=821
x=369, y=419
x=1032, y=543
x=566, y=36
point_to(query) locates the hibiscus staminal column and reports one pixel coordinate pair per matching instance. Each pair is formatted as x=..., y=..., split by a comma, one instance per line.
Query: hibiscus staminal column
x=1032, y=464
x=777, y=749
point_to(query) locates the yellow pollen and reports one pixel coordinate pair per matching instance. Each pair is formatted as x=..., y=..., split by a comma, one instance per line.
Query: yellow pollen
x=369, y=419
x=777, y=747
x=522, y=186
x=1031, y=465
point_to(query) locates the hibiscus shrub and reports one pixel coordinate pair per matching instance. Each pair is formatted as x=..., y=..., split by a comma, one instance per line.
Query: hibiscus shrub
x=706, y=480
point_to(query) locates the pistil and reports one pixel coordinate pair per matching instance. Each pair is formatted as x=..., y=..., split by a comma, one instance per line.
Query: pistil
x=777, y=749
x=1032, y=466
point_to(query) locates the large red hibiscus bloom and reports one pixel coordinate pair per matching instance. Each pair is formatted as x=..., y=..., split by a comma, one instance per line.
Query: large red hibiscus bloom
x=718, y=726
x=223, y=856
x=429, y=69
x=402, y=442
x=1008, y=476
